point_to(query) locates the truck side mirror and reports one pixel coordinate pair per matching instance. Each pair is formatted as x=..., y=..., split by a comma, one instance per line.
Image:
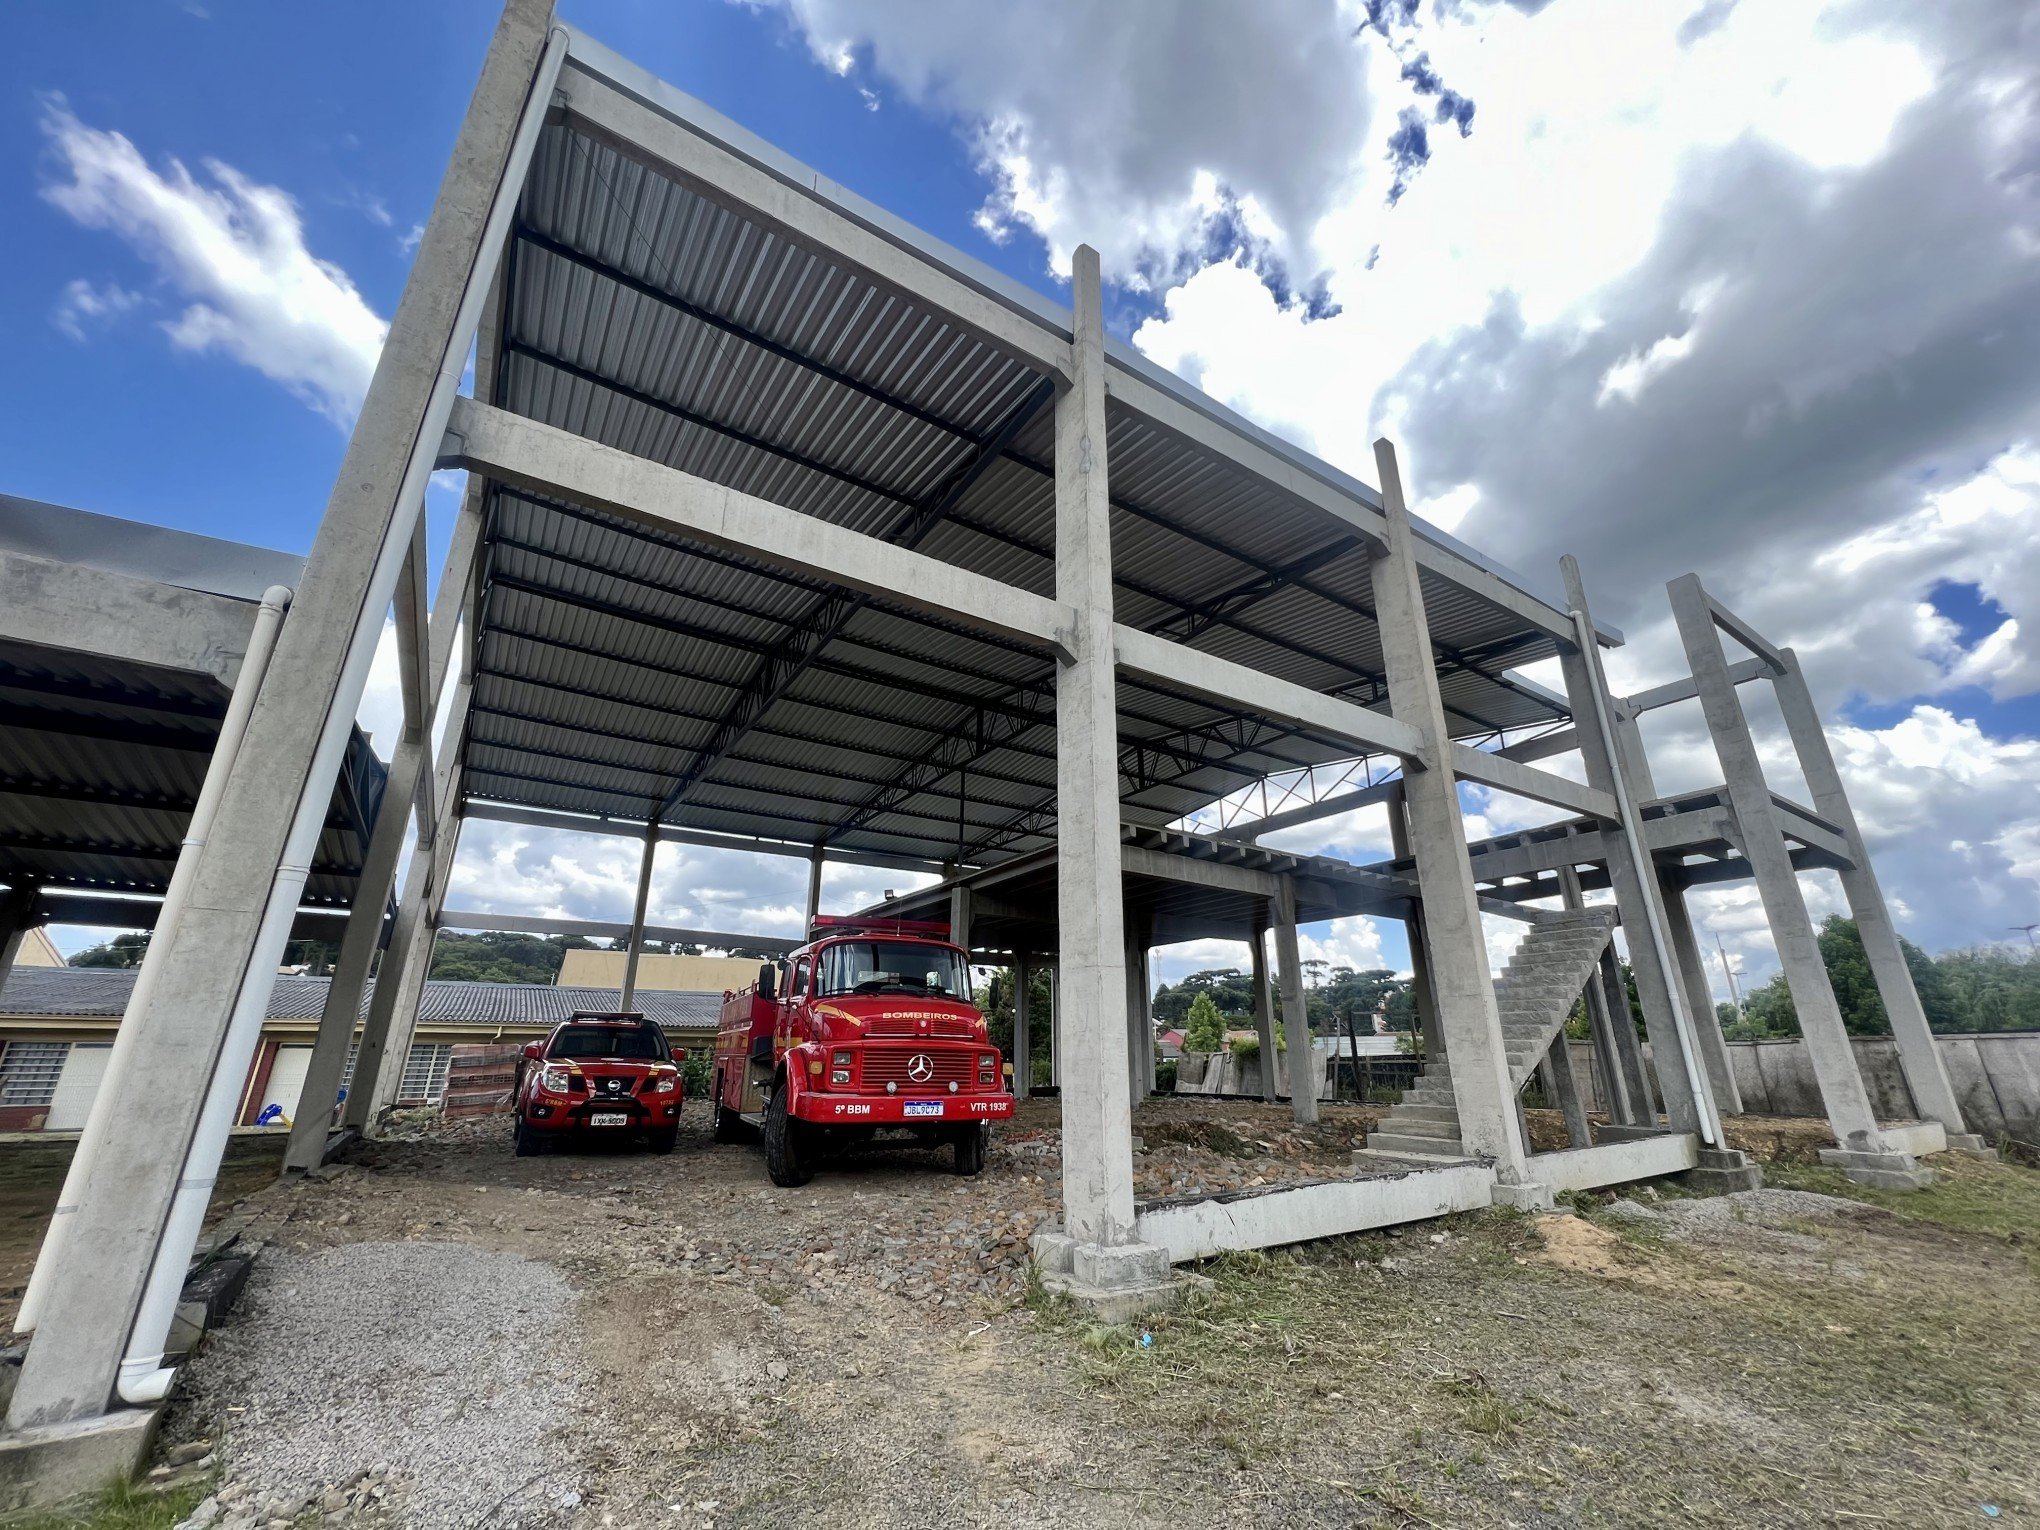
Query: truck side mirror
x=768, y=981
x=534, y=1051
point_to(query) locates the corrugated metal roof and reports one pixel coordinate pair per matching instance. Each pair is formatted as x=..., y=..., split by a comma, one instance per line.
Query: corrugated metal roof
x=102, y=993
x=628, y=673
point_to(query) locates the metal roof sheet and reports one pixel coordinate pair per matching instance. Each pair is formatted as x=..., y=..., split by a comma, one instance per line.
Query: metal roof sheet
x=627, y=672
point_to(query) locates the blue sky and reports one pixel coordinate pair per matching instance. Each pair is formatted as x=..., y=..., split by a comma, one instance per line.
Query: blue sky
x=1743, y=289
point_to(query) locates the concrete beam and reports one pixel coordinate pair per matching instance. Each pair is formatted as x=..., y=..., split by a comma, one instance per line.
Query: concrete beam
x=631, y=828
x=114, y=616
x=1325, y=807
x=1744, y=633
x=1683, y=689
x=1198, y=1229
x=1542, y=747
x=1471, y=764
x=1618, y=1163
x=1197, y=873
x=547, y=460
x=1263, y=694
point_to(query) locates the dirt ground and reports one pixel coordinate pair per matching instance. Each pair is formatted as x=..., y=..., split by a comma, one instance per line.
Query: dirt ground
x=867, y=1350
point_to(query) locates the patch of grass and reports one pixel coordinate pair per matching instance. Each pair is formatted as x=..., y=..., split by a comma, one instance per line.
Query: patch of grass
x=123, y=1506
x=1973, y=1195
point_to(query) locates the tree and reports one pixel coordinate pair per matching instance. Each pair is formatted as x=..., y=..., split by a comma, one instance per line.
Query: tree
x=124, y=950
x=1204, y=1026
x=497, y=956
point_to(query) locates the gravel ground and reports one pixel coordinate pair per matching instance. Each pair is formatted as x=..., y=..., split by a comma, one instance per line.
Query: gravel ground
x=399, y=1375
x=681, y=1344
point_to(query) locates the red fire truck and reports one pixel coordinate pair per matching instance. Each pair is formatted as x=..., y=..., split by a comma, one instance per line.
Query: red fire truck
x=868, y=1028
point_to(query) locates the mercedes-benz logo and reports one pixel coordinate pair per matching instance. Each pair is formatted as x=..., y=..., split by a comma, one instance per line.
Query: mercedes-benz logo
x=920, y=1067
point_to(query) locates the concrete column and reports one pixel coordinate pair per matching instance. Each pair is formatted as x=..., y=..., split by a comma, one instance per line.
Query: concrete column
x=634, y=942
x=1022, y=1018
x=1421, y=992
x=1919, y=1054
x=234, y=922
x=1616, y=1048
x=1303, y=1100
x=1689, y=1105
x=1564, y=1089
x=814, y=890
x=1749, y=795
x=1097, y=1188
x=1055, y=1014
x=365, y=920
x=1463, y=984
x=960, y=916
x=1264, y=1007
x=1700, y=998
x=1140, y=1044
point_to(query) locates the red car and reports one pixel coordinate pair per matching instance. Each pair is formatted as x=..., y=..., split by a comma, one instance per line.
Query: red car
x=601, y=1074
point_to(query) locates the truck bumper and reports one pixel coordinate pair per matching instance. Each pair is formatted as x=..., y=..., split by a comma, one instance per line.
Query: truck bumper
x=898, y=1110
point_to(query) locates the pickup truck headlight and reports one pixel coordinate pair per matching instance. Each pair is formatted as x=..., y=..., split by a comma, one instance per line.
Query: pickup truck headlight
x=554, y=1081
x=665, y=1085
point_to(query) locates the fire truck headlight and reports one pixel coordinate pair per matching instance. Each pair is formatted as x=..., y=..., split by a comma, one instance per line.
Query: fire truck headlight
x=952, y=1086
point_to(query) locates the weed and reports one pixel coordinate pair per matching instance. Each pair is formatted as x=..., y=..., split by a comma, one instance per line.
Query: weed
x=123, y=1506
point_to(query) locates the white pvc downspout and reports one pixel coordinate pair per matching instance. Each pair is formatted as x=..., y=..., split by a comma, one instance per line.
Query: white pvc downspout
x=143, y=1376
x=233, y=728
x=1632, y=829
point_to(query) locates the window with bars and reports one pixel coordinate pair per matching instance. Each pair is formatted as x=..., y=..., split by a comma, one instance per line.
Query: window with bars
x=425, y=1073
x=29, y=1071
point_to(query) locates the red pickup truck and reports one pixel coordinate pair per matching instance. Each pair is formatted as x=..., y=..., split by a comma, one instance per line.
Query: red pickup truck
x=600, y=1074
x=867, y=1029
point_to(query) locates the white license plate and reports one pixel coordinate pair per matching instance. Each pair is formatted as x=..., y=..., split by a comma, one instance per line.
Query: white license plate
x=609, y=1118
x=921, y=1108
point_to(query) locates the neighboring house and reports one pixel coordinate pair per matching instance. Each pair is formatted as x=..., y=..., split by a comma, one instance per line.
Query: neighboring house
x=37, y=949
x=656, y=971
x=57, y=1027
x=1171, y=1043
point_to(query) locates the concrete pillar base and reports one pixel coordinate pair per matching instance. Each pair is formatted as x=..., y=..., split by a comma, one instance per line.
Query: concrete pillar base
x=1530, y=1197
x=1113, y=1284
x=1972, y=1144
x=51, y=1463
x=1723, y=1171
x=1879, y=1171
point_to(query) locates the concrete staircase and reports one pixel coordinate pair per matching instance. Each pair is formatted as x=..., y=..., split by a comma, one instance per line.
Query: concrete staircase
x=1535, y=993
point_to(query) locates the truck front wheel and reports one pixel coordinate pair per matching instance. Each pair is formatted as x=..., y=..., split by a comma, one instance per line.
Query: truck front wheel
x=970, y=1150
x=529, y=1142
x=786, y=1155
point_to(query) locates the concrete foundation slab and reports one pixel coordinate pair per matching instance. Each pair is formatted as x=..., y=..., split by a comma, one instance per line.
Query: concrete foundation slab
x=1971, y=1144
x=52, y=1463
x=1915, y=1138
x=1114, y=1284
x=1879, y=1171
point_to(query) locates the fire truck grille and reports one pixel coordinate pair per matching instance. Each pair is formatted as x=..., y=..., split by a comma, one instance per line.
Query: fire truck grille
x=895, y=1065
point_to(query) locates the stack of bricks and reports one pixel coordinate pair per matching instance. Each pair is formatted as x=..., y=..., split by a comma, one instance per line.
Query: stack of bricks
x=480, y=1079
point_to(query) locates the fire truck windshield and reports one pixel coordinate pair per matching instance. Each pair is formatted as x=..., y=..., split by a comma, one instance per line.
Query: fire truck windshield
x=887, y=966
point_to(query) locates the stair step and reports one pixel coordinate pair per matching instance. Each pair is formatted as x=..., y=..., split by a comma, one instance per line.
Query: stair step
x=1408, y=1111
x=1421, y=1127
x=1422, y=1147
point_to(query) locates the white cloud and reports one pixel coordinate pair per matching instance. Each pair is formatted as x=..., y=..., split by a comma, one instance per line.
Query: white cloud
x=85, y=307
x=1143, y=127
x=235, y=249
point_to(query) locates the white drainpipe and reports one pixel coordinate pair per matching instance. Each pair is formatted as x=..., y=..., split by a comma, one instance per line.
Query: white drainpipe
x=233, y=728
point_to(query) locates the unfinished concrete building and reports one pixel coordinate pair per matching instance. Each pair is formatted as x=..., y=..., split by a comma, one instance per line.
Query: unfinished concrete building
x=790, y=529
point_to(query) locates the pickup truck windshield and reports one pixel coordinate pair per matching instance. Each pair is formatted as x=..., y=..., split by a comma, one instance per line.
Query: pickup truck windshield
x=892, y=966
x=642, y=1043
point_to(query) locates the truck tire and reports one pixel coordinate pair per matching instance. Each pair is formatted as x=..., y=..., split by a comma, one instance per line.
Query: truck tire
x=729, y=1126
x=785, y=1161
x=529, y=1143
x=662, y=1140
x=970, y=1150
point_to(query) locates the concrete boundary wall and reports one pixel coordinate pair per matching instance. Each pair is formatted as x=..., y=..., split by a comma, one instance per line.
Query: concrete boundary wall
x=1996, y=1075
x=1199, y=1229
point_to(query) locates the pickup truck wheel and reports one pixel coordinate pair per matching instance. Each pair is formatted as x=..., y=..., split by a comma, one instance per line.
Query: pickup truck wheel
x=785, y=1161
x=970, y=1150
x=662, y=1140
x=529, y=1143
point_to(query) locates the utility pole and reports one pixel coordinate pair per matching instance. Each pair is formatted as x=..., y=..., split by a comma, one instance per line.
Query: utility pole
x=1728, y=971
